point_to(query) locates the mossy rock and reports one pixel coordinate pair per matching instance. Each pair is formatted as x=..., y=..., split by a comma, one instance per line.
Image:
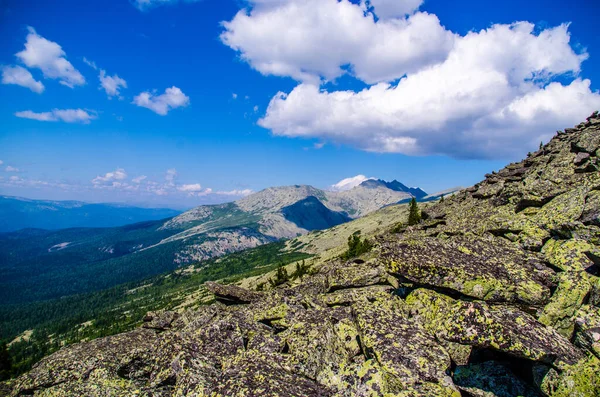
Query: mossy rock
x=487, y=268
x=573, y=289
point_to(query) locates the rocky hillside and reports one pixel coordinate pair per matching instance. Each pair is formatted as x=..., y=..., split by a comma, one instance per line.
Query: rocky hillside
x=495, y=293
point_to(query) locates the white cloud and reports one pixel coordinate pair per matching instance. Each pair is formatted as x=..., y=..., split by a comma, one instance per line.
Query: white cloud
x=349, y=183
x=110, y=177
x=395, y=8
x=49, y=57
x=11, y=169
x=170, y=176
x=20, y=76
x=313, y=39
x=91, y=64
x=1, y=162
x=162, y=104
x=196, y=187
x=236, y=192
x=139, y=179
x=491, y=97
x=144, y=5
x=234, y=95
x=66, y=115
x=111, y=84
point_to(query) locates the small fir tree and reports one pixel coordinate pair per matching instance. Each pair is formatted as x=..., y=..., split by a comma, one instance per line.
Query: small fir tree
x=414, y=215
x=442, y=199
x=541, y=145
x=280, y=277
x=356, y=246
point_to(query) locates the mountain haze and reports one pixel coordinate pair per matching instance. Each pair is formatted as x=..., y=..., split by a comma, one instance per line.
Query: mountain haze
x=21, y=213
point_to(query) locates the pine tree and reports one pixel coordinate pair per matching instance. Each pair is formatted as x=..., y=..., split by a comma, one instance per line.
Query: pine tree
x=442, y=199
x=541, y=145
x=414, y=216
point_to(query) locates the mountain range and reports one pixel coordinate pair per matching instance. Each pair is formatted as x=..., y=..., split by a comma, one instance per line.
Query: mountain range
x=44, y=264
x=21, y=213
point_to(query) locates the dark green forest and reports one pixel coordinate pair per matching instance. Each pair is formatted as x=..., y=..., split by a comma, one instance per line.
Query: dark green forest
x=67, y=320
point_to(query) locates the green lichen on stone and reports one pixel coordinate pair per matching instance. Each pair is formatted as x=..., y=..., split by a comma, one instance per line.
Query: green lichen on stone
x=568, y=255
x=573, y=288
x=579, y=380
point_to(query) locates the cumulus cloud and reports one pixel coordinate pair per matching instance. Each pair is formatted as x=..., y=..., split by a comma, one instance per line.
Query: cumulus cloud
x=50, y=58
x=11, y=169
x=313, y=39
x=196, y=187
x=139, y=179
x=111, y=84
x=66, y=115
x=110, y=177
x=170, y=176
x=348, y=183
x=385, y=9
x=495, y=95
x=161, y=104
x=20, y=76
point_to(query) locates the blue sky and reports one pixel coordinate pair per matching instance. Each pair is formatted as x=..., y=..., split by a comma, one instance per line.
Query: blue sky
x=434, y=94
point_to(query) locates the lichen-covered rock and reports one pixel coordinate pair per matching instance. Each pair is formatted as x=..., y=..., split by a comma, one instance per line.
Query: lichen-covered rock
x=573, y=289
x=159, y=320
x=501, y=328
x=568, y=255
x=355, y=275
x=489, y=268
x=591, y=210
x=231, y=294
x=578, y=380
x=587, y=325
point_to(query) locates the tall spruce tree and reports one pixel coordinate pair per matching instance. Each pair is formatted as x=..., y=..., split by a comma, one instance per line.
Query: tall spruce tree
x=414, y=215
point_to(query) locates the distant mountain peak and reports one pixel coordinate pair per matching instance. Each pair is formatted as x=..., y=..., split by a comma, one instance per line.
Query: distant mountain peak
x=395, y=186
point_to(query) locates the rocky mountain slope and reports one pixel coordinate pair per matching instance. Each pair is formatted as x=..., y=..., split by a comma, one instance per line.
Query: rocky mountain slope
x=495, y=293
x=20, y=213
